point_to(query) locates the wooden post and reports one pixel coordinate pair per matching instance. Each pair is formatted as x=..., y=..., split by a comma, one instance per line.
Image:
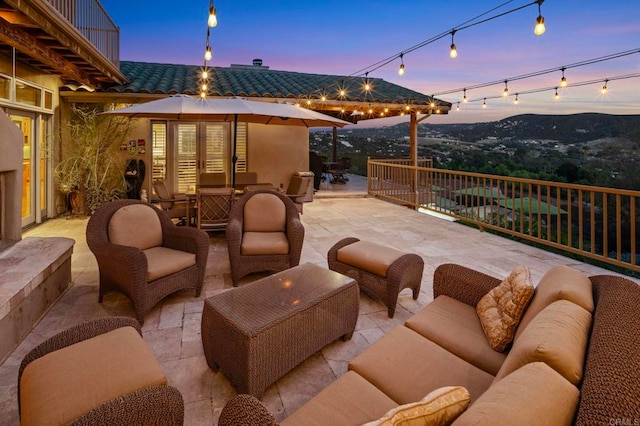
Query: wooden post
x=335, y=144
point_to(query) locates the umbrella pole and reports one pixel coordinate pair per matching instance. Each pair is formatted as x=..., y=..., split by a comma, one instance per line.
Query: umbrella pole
x=234, y=157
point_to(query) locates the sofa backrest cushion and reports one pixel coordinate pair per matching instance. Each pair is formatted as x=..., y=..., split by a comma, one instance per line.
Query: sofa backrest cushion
x=533, y=394
x=439, y=408
x=559, y=283
x=500, y=310
x=557, y=336
x=135, y=225
x=265, y=212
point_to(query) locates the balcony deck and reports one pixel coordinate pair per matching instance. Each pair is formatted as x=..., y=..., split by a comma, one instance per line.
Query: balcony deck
x=172, y=329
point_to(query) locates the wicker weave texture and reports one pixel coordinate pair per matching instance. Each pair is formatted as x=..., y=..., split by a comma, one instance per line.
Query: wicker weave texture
x=462, y=283
x=124, y=268
x=158, y=405
x=242, y=265
x=245, y=410
x=405, y=272
x=258, y=332
x=610, y=391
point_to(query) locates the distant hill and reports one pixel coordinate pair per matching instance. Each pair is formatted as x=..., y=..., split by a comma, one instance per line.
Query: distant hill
x=567, y=129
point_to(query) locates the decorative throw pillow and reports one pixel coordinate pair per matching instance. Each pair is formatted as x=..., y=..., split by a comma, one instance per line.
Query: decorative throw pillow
x=439, y=408
x=500, y=310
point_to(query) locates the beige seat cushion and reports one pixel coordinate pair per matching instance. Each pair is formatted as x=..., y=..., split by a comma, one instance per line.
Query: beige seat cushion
x=532, y=395
x=136, y=225
x=163, y=261
x=257, y=243
x=439, y=408
x=406, y=366
x=557, y=336
x=369, y=256
x=350, y=400
x=500, y=310
x=559, y=283
x=455, y=326
x=68, y=383
x=265, y=213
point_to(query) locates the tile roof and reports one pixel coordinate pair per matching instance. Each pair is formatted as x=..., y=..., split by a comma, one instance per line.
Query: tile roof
x=258, y=81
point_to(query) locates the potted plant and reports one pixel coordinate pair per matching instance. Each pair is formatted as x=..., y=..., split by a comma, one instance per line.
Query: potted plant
x=90, y=170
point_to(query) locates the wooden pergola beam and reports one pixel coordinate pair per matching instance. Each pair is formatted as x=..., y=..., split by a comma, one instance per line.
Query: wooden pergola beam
x=34, y=48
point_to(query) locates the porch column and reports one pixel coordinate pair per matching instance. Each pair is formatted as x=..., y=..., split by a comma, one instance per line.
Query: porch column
x=335, y=145
x=413, y=157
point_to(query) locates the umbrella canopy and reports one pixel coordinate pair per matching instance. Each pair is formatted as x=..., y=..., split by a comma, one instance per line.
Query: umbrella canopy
x=229, y=109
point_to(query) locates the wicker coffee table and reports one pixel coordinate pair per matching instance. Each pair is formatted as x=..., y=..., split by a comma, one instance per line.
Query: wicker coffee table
x=258, y=332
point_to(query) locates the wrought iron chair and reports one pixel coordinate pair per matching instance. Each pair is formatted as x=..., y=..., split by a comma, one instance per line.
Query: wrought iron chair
x=214, y=206
x=175, y=206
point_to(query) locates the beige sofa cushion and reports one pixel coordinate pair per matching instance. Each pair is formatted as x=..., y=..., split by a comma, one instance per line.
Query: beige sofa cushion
x=257, y=243
x=68, y=383
x=557, y=336
x=350, y=400
x=438, y=408
x=559, y=283
x=500, y=310
x=406, y=366
x=136, y=225
x=163, y=261
x=369, y=256
x=532, y=395
x=455, y=326
x=265, y=212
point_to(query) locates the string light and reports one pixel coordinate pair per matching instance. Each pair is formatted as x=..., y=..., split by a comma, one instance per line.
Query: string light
x=453, y=52
x=213, y=19
x=367, y=85
x=484, y=103
x=401, y=69
x=505, y=92
x=464, y=98
x=556, y=96
x=515, y=101
x=563, y=80
x=604, y=88
x=207, y=53
x=539, y=29
x=458, y=107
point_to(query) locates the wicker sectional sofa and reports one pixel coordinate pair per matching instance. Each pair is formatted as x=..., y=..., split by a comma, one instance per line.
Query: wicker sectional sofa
x=574, y=358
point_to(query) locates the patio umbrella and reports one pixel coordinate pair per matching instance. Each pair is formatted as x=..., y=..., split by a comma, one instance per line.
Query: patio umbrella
x=229, y=109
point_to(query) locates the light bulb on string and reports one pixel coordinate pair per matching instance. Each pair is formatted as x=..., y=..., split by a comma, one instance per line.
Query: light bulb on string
x=539, y=29
x=401, y=69
x=205, y=74
x=213, y=18
x=484, y=103
x=367, y=85
x=563, y=80
x=604, y=88
x=515, y=101
x=505, y=92
x=458, y=107
x=464, y=97
x=556, y=96
x=207, y=53
x=453, y=52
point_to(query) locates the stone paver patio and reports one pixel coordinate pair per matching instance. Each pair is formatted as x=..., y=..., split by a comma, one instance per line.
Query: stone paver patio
x=172, y=328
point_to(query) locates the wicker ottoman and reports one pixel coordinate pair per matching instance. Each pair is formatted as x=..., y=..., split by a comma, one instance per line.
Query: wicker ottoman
x=256, y=333
x=381, y=271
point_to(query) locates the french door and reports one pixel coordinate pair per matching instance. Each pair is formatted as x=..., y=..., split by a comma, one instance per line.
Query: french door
x=34, y=165
x=199, y=148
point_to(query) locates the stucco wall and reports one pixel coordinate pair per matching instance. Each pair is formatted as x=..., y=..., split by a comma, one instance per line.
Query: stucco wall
x=275, y=152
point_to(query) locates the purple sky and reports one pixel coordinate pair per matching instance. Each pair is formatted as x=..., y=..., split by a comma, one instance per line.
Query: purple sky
x=338, y=37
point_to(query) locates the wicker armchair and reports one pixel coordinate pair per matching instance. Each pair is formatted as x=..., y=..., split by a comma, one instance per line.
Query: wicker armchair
x=143, y=254
x=61, y=387
x=264, y=233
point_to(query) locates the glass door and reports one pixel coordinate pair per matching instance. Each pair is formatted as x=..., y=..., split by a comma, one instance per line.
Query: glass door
x=25, y=122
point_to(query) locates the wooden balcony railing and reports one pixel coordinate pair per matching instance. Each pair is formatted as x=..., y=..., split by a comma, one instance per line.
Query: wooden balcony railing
x=594, y=222
x=91, y=20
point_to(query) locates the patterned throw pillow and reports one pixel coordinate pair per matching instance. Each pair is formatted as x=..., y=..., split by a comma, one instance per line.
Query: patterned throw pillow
x=500, y=310
x=439, y=408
